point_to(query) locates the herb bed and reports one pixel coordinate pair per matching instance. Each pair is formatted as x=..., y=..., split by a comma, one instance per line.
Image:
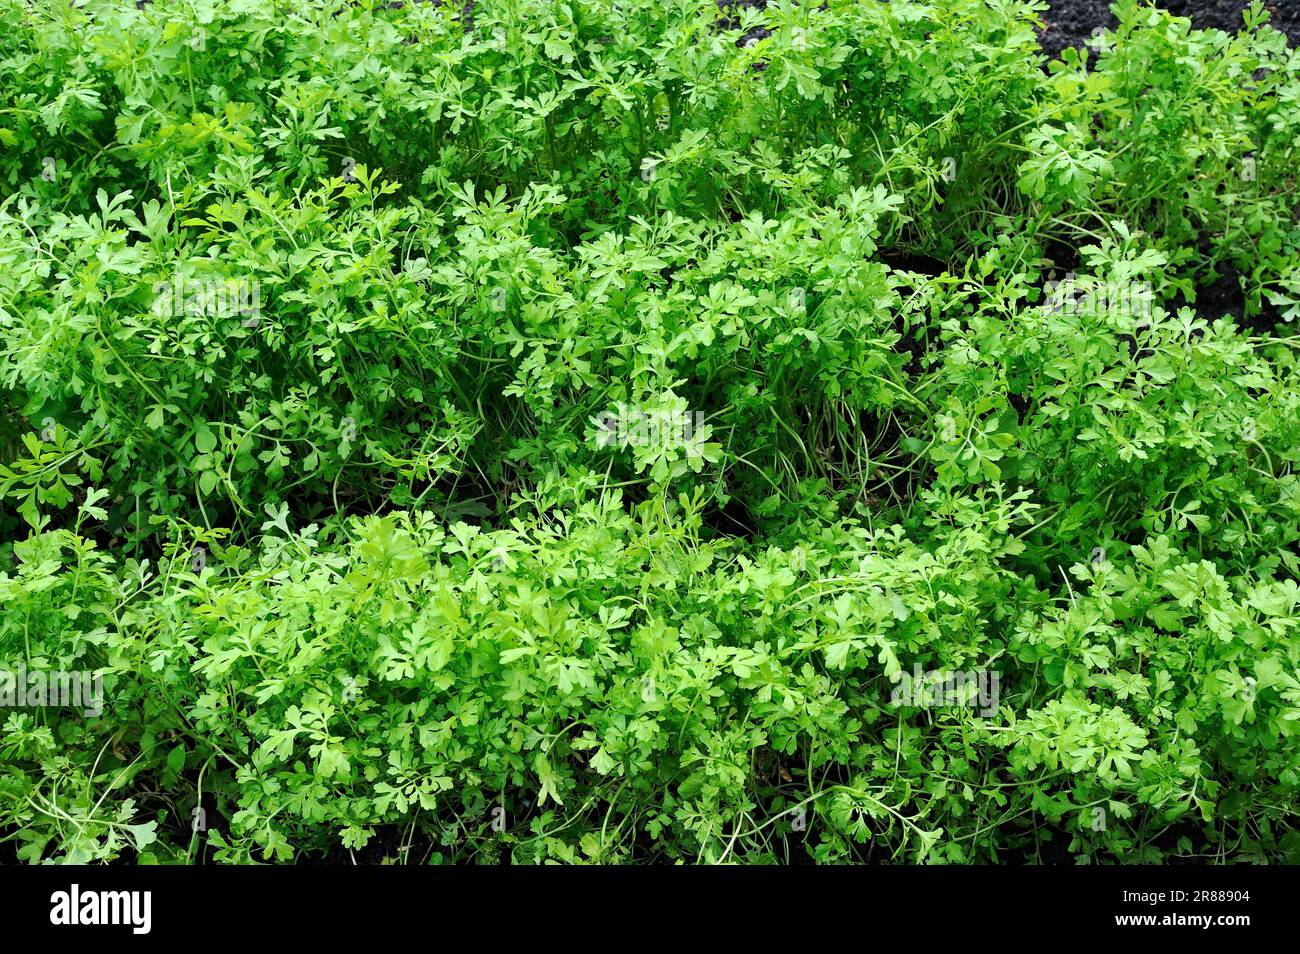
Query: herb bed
x=639, y=433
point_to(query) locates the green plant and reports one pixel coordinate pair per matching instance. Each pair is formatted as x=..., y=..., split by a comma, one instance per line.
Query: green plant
x=610, y=433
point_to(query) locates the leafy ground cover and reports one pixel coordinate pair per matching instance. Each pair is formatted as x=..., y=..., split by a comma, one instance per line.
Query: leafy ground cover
x=1072, y=22
x=647, y=431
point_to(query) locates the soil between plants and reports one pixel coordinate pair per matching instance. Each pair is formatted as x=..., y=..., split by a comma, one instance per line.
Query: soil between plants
x=1071, y=22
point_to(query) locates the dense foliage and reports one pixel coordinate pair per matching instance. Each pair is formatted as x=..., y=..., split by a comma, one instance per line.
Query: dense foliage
x=314, y=321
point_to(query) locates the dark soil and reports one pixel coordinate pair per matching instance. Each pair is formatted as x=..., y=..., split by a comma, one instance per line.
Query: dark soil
x=1071, y=22
x=1223, y=296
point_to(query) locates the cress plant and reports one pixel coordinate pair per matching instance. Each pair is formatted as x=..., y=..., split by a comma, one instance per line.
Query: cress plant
x=603, y=432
